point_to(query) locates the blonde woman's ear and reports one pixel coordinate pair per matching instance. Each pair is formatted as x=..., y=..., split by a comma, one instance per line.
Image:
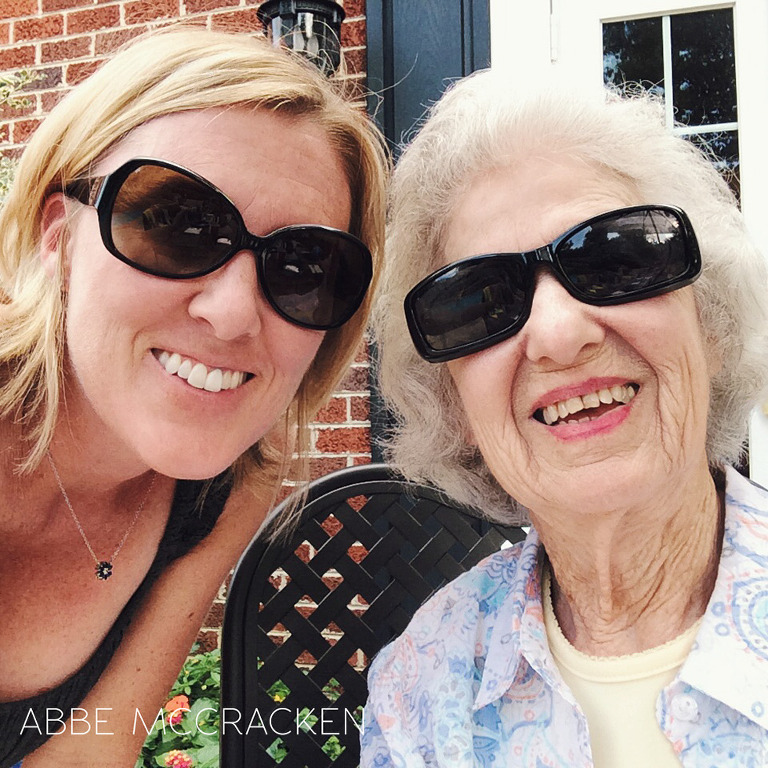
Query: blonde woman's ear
x=52, y=232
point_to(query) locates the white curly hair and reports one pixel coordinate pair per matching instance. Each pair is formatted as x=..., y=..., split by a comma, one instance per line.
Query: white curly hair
x=484, y=122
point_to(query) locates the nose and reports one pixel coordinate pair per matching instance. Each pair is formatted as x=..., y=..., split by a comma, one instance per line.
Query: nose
x=560, y=329
x=230, y=300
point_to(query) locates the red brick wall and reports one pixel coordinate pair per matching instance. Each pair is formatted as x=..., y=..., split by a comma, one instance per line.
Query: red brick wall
x=65, y=40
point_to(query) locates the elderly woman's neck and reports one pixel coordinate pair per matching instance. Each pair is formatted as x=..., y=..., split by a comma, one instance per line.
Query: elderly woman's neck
x=634, y=579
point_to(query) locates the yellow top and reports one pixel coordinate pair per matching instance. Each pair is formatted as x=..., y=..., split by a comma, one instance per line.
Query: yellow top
x=618, y=694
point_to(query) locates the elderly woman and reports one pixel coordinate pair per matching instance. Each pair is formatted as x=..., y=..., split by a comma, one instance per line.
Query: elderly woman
x=592, y=322
x=184, y=260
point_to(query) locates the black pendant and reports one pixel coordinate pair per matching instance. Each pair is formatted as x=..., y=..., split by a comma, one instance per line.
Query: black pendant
x=104, y=570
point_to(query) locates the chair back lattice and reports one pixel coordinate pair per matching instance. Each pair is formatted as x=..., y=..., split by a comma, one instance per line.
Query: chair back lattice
x=304, y=616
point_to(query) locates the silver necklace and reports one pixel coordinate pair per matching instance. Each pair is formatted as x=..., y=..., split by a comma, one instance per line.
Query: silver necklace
x=103, y=567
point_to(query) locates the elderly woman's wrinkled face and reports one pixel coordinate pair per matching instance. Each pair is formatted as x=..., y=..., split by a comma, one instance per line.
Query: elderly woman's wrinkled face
x=125, y=328
x=627, y=385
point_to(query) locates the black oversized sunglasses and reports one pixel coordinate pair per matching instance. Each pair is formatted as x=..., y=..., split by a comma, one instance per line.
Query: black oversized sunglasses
x=166, y=220
x=625, y=255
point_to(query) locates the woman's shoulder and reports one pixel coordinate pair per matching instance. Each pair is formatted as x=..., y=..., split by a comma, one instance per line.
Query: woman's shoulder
x=461, y=615
x=482, y=588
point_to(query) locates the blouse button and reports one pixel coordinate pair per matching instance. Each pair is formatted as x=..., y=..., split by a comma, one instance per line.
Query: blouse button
x=685, y=708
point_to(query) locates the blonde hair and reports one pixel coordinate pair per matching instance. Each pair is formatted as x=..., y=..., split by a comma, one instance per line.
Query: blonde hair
x=166, y=72
x=485, y=122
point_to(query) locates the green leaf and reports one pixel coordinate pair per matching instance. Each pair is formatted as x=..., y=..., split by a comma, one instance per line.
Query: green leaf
x=199, y=679
x=207, y=753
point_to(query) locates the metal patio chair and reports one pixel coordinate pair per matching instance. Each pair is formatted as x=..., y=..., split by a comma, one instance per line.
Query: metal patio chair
x=304, y=616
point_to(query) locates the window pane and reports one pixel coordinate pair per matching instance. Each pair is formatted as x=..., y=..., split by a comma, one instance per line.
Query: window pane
x=703, y=87
x=725, y=146
x=632, y=52
x=703, y=68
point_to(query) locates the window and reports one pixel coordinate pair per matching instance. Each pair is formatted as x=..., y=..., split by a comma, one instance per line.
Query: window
x=688, y=60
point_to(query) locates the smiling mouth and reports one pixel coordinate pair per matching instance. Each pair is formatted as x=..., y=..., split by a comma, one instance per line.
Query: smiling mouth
x=198, y=375
x=579, y=409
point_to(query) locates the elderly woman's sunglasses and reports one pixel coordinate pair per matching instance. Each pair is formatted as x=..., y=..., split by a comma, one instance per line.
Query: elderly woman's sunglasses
x=167, y=221
x=625, y=255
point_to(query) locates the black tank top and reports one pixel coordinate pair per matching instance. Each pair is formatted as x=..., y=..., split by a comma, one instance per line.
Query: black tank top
x=189, y=523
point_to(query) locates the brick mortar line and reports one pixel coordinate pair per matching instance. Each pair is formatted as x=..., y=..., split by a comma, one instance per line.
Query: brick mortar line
x=314, y=455
x=321, y=425
x=97, y=57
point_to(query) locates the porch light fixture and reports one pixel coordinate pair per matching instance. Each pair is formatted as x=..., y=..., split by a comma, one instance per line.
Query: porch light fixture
x=310, y=26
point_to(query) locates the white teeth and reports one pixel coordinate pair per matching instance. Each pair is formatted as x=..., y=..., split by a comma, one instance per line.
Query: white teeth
x=213, y=380
x=564, y=408
x=592, y=400
x=574, y=404
x=197, y=374
x=618, y=393
x=185, y=369
x=173, y=362
x=605, y=396
x=550, y=414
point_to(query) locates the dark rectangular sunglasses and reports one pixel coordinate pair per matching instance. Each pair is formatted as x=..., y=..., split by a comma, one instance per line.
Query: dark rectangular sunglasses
x=168, y=221
x=625, y=255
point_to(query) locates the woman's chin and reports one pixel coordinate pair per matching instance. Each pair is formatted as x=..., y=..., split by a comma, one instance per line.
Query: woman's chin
x=593, y=491
x=198, y=462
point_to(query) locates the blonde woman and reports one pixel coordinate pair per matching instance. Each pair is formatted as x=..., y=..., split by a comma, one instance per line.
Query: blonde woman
x=185, y=259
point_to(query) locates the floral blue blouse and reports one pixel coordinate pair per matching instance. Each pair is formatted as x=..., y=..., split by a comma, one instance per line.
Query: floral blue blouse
x=472, y=682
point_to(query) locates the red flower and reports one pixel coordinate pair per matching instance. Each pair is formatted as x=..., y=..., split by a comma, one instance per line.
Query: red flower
x=176, y=707
x=178, y=759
